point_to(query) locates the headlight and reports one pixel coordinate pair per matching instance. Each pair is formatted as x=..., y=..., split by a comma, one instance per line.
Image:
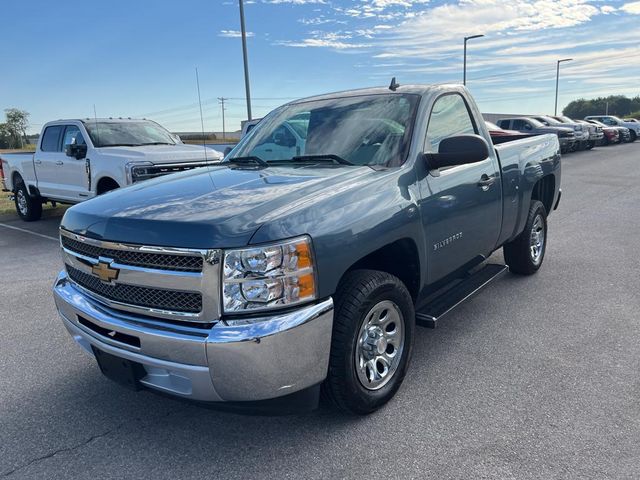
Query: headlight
x=269, y=276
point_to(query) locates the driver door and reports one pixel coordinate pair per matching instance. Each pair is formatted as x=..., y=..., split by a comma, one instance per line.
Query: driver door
x=461, y=206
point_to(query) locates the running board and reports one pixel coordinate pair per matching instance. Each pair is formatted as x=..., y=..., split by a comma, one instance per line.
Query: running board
x=431, y=313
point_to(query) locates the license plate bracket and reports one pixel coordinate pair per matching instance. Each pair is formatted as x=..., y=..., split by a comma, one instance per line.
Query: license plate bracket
x=120, y=370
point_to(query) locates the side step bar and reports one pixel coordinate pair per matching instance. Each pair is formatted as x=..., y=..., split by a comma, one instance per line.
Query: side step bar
x=444, y=303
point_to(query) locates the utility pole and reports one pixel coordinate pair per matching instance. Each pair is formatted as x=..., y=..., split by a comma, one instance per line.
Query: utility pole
x=246, y=62
x=464, y=67
x=555, y=110
x=224, y=131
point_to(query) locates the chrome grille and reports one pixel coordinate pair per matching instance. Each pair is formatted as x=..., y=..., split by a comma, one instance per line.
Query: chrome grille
x=158, y=261
x=171, y=283
x=156, y=298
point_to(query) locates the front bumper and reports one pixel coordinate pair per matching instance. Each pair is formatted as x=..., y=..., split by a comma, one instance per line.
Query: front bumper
x=268, y=358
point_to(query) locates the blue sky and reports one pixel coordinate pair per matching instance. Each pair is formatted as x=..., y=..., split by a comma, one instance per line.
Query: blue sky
x=138, y=58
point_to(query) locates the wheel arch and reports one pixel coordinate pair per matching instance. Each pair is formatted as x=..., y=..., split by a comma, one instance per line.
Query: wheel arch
x=544, y=191
x=106, y=184
x=399, y=258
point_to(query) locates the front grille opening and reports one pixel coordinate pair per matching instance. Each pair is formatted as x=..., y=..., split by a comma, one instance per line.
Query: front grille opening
x=114, y=335
x=170, y=300
x=159, y=261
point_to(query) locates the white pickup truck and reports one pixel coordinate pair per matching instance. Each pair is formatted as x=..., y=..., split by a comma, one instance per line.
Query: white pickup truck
x=76, y=160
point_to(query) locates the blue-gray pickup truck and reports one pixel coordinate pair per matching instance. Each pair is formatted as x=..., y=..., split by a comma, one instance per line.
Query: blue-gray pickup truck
x=302, y=264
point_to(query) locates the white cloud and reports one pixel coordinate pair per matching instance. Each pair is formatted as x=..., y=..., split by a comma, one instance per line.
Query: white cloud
x=234, y=34
x=607, y=9
x=294, y=2
x=632, y=8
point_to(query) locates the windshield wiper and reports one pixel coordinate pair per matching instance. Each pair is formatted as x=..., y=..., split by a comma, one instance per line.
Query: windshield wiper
x=321, y=157
x=158, y=143
x=249, y=160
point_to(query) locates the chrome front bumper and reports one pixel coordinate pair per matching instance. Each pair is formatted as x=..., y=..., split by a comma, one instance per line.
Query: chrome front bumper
x=268, y=358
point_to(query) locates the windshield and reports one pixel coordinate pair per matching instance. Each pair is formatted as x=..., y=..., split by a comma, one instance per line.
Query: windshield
x=130, y=134
x=566, y=119
x=550, y=121
x=492, y=126
x=536, y=123
x=362, y=130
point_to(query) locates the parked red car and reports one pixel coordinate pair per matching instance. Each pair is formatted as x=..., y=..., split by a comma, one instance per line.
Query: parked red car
x=500, y=135
x=611, y=134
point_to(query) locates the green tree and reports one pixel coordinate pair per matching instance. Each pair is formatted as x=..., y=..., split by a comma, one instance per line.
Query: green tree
x=5, y=136
x=613, y=105
x=17, y=122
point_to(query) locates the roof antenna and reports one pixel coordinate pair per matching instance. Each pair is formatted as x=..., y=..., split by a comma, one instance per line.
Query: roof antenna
x=95, y=119
x=204, y=145
x=393, y=85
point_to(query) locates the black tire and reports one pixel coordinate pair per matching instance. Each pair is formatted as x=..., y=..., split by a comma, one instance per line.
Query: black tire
x=359, y=293
x=519, y=253
x=633, y=136
x=29, y=208
x=590, y=144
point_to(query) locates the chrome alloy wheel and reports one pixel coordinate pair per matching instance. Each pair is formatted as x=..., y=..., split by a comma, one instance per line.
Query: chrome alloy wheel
x=379, y=345
x=22, y=202
x=536, y=240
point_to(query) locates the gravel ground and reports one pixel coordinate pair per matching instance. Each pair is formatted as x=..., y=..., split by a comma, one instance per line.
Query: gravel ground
x=535, y=378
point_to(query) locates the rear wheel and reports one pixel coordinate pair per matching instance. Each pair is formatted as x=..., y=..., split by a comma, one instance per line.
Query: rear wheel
x=29, y=208
x=371, y=342
x=525, y=253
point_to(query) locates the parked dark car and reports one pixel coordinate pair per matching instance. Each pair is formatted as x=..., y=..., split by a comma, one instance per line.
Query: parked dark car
x=500, y=135
x=581, y=133
x=529, y=125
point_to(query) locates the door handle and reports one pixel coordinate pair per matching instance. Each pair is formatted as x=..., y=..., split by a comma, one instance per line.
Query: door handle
x=486, y=181
x=59, y=162
x=38, y=162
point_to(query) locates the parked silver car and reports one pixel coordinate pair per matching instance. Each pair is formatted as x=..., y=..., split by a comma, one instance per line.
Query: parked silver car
x=581, y=133
x=596, y=135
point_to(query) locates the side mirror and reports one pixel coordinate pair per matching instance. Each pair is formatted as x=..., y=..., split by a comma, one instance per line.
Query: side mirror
x=458, y=150
x=75, y=150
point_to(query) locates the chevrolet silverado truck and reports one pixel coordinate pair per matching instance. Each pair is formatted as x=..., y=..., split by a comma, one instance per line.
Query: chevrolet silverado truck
x=76, y=160
x=269, y=279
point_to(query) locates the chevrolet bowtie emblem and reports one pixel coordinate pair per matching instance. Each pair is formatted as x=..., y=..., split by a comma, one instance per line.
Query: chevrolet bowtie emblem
x=104, y=272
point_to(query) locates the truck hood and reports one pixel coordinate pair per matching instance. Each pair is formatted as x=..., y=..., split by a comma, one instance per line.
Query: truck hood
x=208, y=207
x=162, y=154
x=555, y=129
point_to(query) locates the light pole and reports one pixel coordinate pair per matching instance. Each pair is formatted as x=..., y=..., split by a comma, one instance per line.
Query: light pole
x=555, y=110
x=464, y=68
x=246, y=63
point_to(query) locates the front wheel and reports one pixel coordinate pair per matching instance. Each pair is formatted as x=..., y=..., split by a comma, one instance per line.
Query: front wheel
x=371, y=342
x=29, y=208
x=525, y=253
x=633, y=136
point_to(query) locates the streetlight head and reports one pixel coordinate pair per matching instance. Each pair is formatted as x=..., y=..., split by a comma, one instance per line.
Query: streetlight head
x=473, y=36
x=565, y=60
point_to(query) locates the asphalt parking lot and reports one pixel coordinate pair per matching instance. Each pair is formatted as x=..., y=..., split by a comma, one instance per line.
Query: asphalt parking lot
x=536, y=377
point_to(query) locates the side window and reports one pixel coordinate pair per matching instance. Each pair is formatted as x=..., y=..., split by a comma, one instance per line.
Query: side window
x=449, y=117
x=526, y=126
x=51, y=139
x=504, y=124
x=72, y=136
x=518, y=124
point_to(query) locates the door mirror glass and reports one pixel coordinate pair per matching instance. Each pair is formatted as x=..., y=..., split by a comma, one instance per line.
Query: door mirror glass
x=458, y=150
x=76, y=151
